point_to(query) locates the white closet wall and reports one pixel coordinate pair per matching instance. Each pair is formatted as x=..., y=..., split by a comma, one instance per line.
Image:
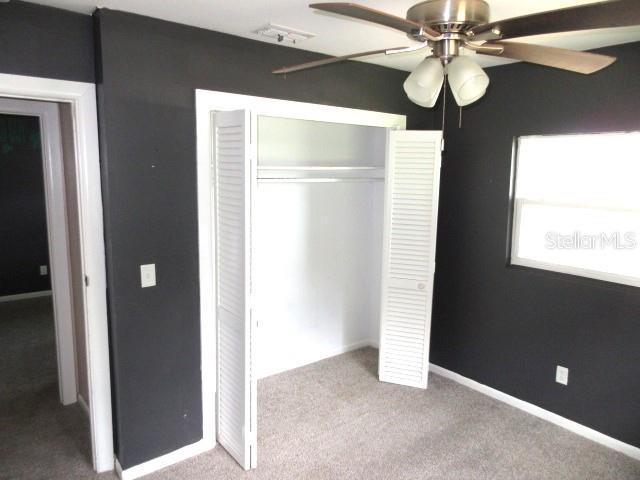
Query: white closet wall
x=298, y=143
x=317, y=243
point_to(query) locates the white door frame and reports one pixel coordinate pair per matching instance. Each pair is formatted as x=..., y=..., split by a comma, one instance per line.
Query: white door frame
x=207, y=103
x=82, y=99
x=48, y=115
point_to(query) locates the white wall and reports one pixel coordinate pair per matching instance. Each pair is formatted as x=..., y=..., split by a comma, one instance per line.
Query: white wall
x=317, y=246
x=292, y=142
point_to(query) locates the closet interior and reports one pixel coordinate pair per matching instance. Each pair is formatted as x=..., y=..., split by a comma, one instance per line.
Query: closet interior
x=317, y=240
x=323, y=239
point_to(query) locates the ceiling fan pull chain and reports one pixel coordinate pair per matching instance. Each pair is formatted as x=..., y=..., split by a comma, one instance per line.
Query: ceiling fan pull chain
x=444, y=103
x=460, y=118
x=444, y=110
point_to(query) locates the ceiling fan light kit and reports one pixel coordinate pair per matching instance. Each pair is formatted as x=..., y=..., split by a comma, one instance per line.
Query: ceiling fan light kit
x=467, y=80
x=424, y=84
x=448, y=26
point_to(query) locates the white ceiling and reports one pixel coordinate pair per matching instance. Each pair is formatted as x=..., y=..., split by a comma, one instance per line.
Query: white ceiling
x=337, y=35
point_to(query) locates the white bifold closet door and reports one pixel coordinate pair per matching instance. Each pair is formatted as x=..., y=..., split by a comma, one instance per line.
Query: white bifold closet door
x=235, y=179
x=408, y=260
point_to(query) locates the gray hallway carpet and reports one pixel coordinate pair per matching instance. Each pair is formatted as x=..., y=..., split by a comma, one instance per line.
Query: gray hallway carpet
x=333, y=420
x=39, y=438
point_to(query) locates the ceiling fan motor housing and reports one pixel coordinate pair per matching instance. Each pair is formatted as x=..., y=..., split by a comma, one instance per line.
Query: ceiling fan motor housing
x=450, y=16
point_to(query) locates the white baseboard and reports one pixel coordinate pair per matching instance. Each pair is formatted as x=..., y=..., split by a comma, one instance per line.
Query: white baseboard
x=84, y=405
x=316, y=357
x=563, y=422
x=164, y=461
x=25, y=296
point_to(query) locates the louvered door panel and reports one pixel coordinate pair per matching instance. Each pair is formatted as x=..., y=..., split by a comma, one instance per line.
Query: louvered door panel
x=411, y=210
x=236, y=392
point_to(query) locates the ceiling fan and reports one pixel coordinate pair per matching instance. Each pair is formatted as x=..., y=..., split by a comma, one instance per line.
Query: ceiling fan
x=447, y=26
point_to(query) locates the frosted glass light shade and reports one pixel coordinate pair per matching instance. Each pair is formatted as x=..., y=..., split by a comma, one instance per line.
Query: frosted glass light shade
x=425, y=82
x=467, y=80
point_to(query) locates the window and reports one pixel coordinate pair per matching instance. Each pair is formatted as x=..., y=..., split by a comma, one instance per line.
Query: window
x=577, y=205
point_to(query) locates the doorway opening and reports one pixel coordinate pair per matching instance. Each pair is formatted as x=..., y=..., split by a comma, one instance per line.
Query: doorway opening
x=55, y=370
x=44, y=372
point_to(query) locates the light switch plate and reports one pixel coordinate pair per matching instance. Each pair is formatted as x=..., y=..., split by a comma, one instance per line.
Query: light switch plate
x=44, y=269
x=562, y=375
x=148, y=275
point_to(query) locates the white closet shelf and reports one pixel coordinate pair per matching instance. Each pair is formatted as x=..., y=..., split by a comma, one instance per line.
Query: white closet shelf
x=318, y=179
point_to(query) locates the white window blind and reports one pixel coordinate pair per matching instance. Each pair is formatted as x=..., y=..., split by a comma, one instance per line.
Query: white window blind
x=577, y=205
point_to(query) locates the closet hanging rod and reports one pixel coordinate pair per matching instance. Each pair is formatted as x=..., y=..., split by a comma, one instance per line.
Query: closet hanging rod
x=308, y=168
x=319, y=180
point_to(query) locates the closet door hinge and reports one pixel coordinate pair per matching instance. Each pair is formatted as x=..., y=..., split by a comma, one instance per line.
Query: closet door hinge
x=86, y=280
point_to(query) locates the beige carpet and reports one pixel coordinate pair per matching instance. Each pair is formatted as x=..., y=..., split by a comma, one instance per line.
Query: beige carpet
x=334, y=420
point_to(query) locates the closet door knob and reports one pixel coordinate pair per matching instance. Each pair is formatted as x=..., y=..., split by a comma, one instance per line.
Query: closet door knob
x=421, y=286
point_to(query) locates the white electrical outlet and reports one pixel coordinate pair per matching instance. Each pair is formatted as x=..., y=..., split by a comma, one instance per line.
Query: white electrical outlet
x=44, y=269
x=562, y=375
x=148, y=275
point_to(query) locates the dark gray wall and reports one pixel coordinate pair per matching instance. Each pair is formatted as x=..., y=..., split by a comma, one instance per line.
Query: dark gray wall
x=509, y=327
x=149, y=70
x=23, y=217
x=503, y=326
x=45, y=42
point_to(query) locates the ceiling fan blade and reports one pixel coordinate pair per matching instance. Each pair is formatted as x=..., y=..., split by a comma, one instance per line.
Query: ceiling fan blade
x=329, y=60
x=360, y=12
x=572, y=60
x=614, y=13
